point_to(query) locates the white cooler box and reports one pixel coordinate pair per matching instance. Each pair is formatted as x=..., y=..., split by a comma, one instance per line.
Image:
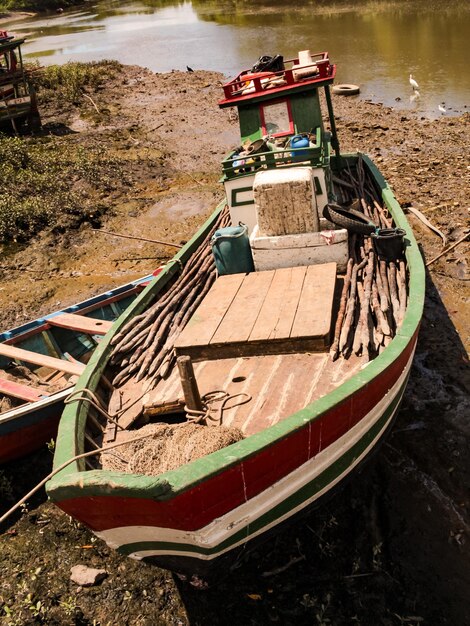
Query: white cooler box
x=326, y=246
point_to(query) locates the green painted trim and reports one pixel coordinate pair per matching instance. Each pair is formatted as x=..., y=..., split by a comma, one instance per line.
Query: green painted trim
x=235, y=192
x=290, y=503
x=64, y=484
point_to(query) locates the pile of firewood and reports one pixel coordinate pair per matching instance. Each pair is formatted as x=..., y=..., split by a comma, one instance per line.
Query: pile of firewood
x=144, y=346
x=374, y=295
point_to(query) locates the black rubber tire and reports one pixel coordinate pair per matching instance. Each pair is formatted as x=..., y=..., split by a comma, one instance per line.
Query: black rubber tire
x=346, y=90
x=354, y=221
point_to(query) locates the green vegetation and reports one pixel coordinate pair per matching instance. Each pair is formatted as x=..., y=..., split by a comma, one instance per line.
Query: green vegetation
x=51, y=182
x=36, y=5
x=67, y=83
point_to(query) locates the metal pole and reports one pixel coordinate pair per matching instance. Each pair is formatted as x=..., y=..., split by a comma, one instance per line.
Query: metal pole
x=334, y=136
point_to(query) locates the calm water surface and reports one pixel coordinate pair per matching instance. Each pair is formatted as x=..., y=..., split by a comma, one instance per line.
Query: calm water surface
x=375, y=44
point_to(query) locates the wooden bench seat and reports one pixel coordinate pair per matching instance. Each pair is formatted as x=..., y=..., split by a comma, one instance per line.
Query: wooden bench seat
x=21, y=391
x=81, y=323
x=14, y=353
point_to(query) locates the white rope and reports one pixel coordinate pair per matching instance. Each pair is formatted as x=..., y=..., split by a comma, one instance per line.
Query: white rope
x=207, y=413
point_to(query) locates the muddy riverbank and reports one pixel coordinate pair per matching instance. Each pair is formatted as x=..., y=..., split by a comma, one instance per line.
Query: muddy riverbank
x=392, y=548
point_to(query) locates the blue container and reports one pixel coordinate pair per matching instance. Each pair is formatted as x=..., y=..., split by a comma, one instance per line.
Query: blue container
x=231, y=250
x=298, y=141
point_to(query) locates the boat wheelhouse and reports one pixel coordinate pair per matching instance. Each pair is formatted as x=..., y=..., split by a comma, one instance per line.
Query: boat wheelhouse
x=274, y=109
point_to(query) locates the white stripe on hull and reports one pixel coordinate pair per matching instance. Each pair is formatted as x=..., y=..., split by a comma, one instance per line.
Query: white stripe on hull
x=222, y=528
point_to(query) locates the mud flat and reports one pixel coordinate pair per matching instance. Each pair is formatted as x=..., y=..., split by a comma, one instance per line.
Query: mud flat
x=392, y=547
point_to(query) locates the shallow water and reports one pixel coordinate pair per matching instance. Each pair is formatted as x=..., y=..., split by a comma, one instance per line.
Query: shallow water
x=375, y=44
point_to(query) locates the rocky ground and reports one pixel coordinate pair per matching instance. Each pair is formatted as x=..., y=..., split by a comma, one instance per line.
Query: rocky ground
x=392, y=548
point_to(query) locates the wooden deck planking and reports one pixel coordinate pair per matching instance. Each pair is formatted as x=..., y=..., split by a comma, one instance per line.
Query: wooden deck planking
x=279, y=385
x=278, y=311
x=313, y=318
x=44, y=360
x=80, y=323
x=240, y=318
x=258, y=385
x=204, y=323
x=290, y=389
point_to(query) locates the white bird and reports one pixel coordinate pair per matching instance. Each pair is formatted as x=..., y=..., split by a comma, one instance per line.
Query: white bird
x=413, y=83
x=442, y=109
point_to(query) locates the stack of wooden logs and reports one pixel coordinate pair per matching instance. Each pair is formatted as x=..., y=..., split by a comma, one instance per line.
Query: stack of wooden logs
x=374, y=296
x=144, y=346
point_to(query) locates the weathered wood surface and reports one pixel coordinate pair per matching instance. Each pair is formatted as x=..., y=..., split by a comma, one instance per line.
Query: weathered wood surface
x=14, y=353
x=144, y=346
x=81, y=323
x=277, y=314
x=278, y=311
x=285, y=201
x=21, y=391
x=377, y=294
x=191, y=393
x=278, y=385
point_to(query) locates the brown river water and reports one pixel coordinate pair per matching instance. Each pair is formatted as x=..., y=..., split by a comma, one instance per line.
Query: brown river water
x=376, y=44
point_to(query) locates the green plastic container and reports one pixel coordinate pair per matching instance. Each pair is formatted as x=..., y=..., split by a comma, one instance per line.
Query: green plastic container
x=231, y=250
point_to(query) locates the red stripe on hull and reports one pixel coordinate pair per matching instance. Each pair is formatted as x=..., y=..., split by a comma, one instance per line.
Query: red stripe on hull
x=364, y=400
x=17, y=444
x=222, y=493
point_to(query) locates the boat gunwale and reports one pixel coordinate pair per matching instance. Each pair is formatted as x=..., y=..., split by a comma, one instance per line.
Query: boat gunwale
x=177, y=481
x=24, y=410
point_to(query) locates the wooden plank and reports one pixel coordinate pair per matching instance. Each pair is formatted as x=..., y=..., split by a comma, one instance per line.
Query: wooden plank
x=21, y=391
x=235, y=349
x=241, y=316
x=280, y=305
x=287, y=389
x=36, y=358
x=313, y=317
x=81, y=323
x=13, y=102
x=127, y=404
x=203, y=324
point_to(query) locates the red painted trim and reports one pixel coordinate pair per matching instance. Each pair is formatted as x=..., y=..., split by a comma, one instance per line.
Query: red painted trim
x=220, y=494
x=23, y=392
x=326, y=76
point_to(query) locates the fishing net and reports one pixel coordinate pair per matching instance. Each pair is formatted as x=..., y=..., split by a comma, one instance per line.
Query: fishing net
x=167, y=447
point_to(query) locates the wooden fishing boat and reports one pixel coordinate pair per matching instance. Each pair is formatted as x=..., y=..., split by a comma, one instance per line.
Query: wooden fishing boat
x=40, y=362
x=228, y=401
